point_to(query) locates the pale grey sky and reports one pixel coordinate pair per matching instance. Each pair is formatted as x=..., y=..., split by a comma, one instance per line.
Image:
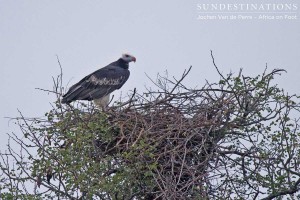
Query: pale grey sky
x=162, y=35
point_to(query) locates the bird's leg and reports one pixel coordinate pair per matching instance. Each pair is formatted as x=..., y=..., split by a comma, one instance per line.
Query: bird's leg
x=102, y=103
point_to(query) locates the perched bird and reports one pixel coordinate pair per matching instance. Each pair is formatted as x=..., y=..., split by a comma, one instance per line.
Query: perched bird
x=98, y=85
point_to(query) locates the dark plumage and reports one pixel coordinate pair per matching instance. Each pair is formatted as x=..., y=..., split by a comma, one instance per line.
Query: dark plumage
x=99, y=84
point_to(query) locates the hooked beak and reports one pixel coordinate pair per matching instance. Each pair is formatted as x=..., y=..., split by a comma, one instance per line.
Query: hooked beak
x=133, y=59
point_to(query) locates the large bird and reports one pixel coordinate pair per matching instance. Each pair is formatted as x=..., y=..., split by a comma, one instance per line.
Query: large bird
x=98, y=85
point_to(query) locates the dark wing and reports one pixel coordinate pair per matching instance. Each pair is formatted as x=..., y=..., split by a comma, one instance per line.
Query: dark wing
x=97, y=84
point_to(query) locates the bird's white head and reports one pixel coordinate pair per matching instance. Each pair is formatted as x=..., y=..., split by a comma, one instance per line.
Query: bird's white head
x=128, y=58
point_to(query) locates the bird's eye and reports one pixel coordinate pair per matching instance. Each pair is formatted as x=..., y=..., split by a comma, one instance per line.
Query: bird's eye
x=126, y=55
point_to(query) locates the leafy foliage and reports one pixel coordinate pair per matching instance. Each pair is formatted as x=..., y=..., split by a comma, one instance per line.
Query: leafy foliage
x=234, y=139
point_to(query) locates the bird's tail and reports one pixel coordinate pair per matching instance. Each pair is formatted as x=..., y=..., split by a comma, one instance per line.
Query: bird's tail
x=65, y=100
x=77, y=93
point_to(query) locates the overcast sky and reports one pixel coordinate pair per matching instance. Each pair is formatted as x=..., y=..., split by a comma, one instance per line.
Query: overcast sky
x=162, y=35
